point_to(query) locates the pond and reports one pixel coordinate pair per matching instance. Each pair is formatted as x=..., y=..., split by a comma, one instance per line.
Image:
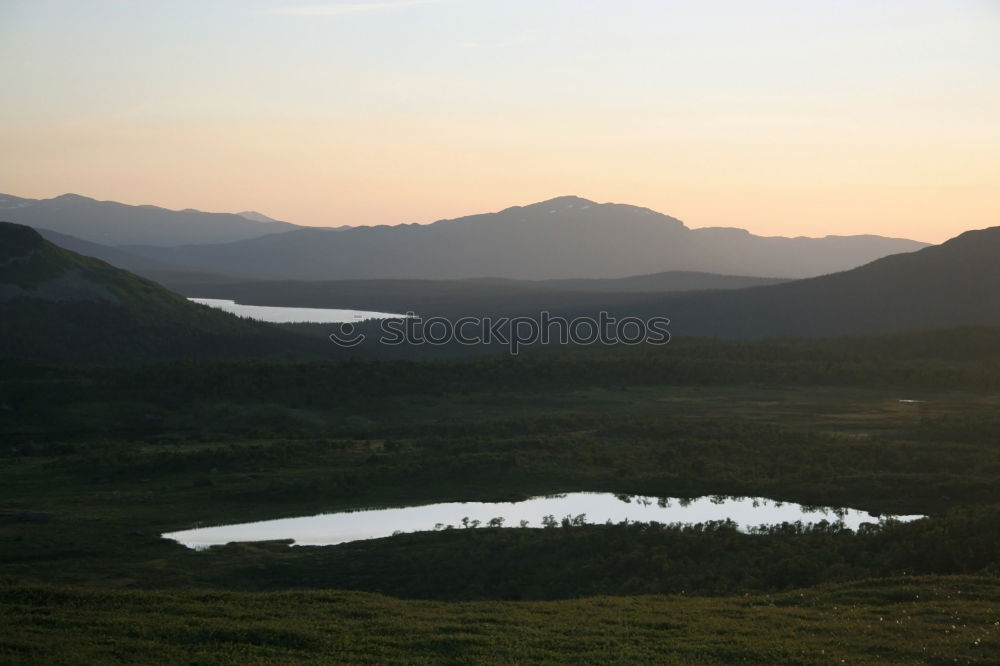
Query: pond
x=592, y=508
x=283, y=315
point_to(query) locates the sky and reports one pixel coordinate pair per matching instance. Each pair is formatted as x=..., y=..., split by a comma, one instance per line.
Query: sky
x=781, y=117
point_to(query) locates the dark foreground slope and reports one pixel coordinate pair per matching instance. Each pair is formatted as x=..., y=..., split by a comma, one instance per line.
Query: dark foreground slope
x=58, y=305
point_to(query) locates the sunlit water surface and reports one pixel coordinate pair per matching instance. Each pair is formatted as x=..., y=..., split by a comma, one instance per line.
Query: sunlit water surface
x=333, y=528
x=282, y=315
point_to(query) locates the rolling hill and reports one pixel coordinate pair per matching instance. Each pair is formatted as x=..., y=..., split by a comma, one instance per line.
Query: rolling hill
x=953, y=284
x=59, y=305
x=113, y=255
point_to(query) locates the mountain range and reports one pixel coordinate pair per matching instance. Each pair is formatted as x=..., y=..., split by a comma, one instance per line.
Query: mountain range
x=57, y=304
x=114, y=224
x=563, y=238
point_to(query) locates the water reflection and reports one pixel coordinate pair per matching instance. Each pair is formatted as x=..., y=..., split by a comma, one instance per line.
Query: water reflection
x=549, y=511
x=283, y=315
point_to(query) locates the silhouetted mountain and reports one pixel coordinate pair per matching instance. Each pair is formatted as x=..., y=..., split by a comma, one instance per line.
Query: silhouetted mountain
x=562, y=238
x=953, y=284
x=56, y=304
x=112, y=223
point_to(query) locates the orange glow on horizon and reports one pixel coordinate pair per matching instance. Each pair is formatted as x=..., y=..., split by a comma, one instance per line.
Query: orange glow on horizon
x=780, y=117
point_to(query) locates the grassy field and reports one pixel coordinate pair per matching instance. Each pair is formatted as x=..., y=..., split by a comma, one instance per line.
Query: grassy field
x=918, y=621
x=97, y=463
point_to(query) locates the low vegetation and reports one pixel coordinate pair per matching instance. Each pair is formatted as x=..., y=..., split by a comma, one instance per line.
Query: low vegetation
x=97, y=462
x=915, y=621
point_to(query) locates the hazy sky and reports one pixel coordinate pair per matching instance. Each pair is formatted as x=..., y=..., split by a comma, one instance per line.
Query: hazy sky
x=785, y=117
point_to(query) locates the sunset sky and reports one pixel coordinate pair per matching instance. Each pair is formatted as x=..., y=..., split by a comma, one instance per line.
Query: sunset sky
x=783, y=117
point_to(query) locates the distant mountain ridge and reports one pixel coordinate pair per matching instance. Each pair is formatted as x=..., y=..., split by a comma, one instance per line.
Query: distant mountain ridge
x=562, y=238
x=56, y=304
x=114, y=224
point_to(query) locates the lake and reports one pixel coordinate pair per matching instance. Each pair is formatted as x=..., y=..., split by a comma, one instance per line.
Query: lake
x=283, y=315
x=372, y=523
